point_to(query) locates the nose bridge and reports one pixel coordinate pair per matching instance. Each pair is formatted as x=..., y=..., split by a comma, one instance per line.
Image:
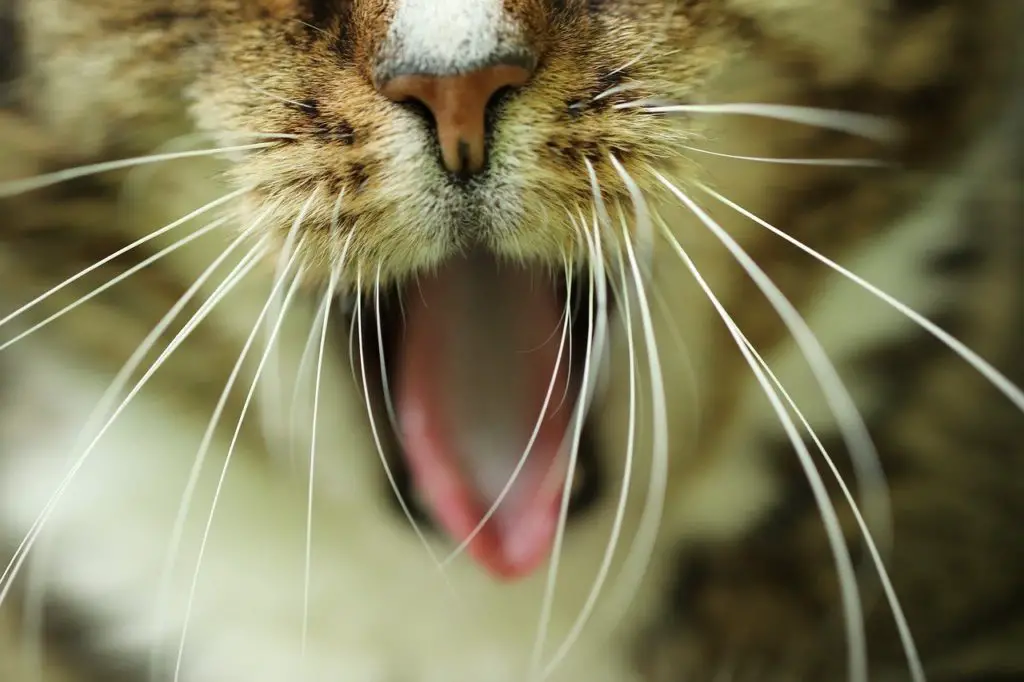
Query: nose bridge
x=450, y=37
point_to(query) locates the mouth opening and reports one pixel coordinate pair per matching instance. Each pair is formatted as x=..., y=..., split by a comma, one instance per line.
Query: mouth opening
x=477, y=405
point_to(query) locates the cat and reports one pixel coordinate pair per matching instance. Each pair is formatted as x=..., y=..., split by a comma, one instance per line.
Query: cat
x=511, y=340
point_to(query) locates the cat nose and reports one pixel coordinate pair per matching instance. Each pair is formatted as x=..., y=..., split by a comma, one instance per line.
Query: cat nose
x=459, y=104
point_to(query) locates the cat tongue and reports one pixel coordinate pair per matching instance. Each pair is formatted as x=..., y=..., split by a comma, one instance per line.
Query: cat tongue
x=475, y=364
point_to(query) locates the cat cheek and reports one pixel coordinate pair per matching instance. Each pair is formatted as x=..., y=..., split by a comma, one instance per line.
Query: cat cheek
x=281, y=8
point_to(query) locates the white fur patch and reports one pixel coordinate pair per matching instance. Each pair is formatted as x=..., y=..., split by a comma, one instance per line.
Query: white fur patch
x=448, y=35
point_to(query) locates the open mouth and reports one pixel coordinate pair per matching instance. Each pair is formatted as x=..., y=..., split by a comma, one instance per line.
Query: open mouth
x=478, y=404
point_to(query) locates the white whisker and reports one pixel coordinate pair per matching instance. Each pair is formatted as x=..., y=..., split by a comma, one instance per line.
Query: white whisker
x=696, y=414
x=842, y=163
x=620, y=510
x=16, y=187
x=331, y=286
x=271, y=409
x=120, y=252
x=22, y=551
x=352, y=335
x=385, y=385
x=867, y=467
x=595, y=246
x=239, y=272
x=358, y=321
x=328, y=298
x=116, y=280
x=910, y=648
x=266, y=93
x=595, y=350
x=568, y=323
x=315, y=28
x=999, y=380
x=292, y=290
x=308, y=352
x=304, y=360
x=644, y=228
x=854, y=123
x=134, y=183
x=850, y=594
x=642, y=548
x=614, y=90
x=547, y=606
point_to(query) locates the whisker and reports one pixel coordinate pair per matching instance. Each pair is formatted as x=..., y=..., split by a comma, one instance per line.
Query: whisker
x=664, y=24
x=308, y=352
x=696, y=413
x=307, y=355
x=116, y=280
x=120, y=252
x=315, y=28
x=635, y=60
x=328, y=298
x=389, y=406
x=568, y=323
x=358, y=321
x=352, y=341
x=615, y=90
x=292, y=290
x=134, y=182
x=331, y=286
x=23, y=549
x=644, y=228
x=907, y=639
x=850, y=594
x=1012, y=392
x=601, y=218
x=239, y=272
x=851, y=122
x=867, y=466
x=853, y=163
x=336, y=216
x=178, y=530
x=270, y=406
x=257, y=89
x=552, y=577
x=620, y=511
x=637, y=561
x=16, y=187
x=595, y=349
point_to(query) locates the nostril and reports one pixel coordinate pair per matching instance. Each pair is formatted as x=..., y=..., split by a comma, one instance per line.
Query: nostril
x=495, y=108
x=498, y=100
x=421, y=110
x=500, y=97
x=461, y=107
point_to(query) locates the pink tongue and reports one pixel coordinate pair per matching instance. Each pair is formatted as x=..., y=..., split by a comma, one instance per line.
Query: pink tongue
x=475, y=364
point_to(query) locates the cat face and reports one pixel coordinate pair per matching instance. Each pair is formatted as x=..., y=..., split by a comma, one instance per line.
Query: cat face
x=490, y=178
x=490, y=165
x=456, y=154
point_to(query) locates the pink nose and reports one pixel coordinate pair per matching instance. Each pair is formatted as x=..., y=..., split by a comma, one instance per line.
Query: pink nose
x=458, y=104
